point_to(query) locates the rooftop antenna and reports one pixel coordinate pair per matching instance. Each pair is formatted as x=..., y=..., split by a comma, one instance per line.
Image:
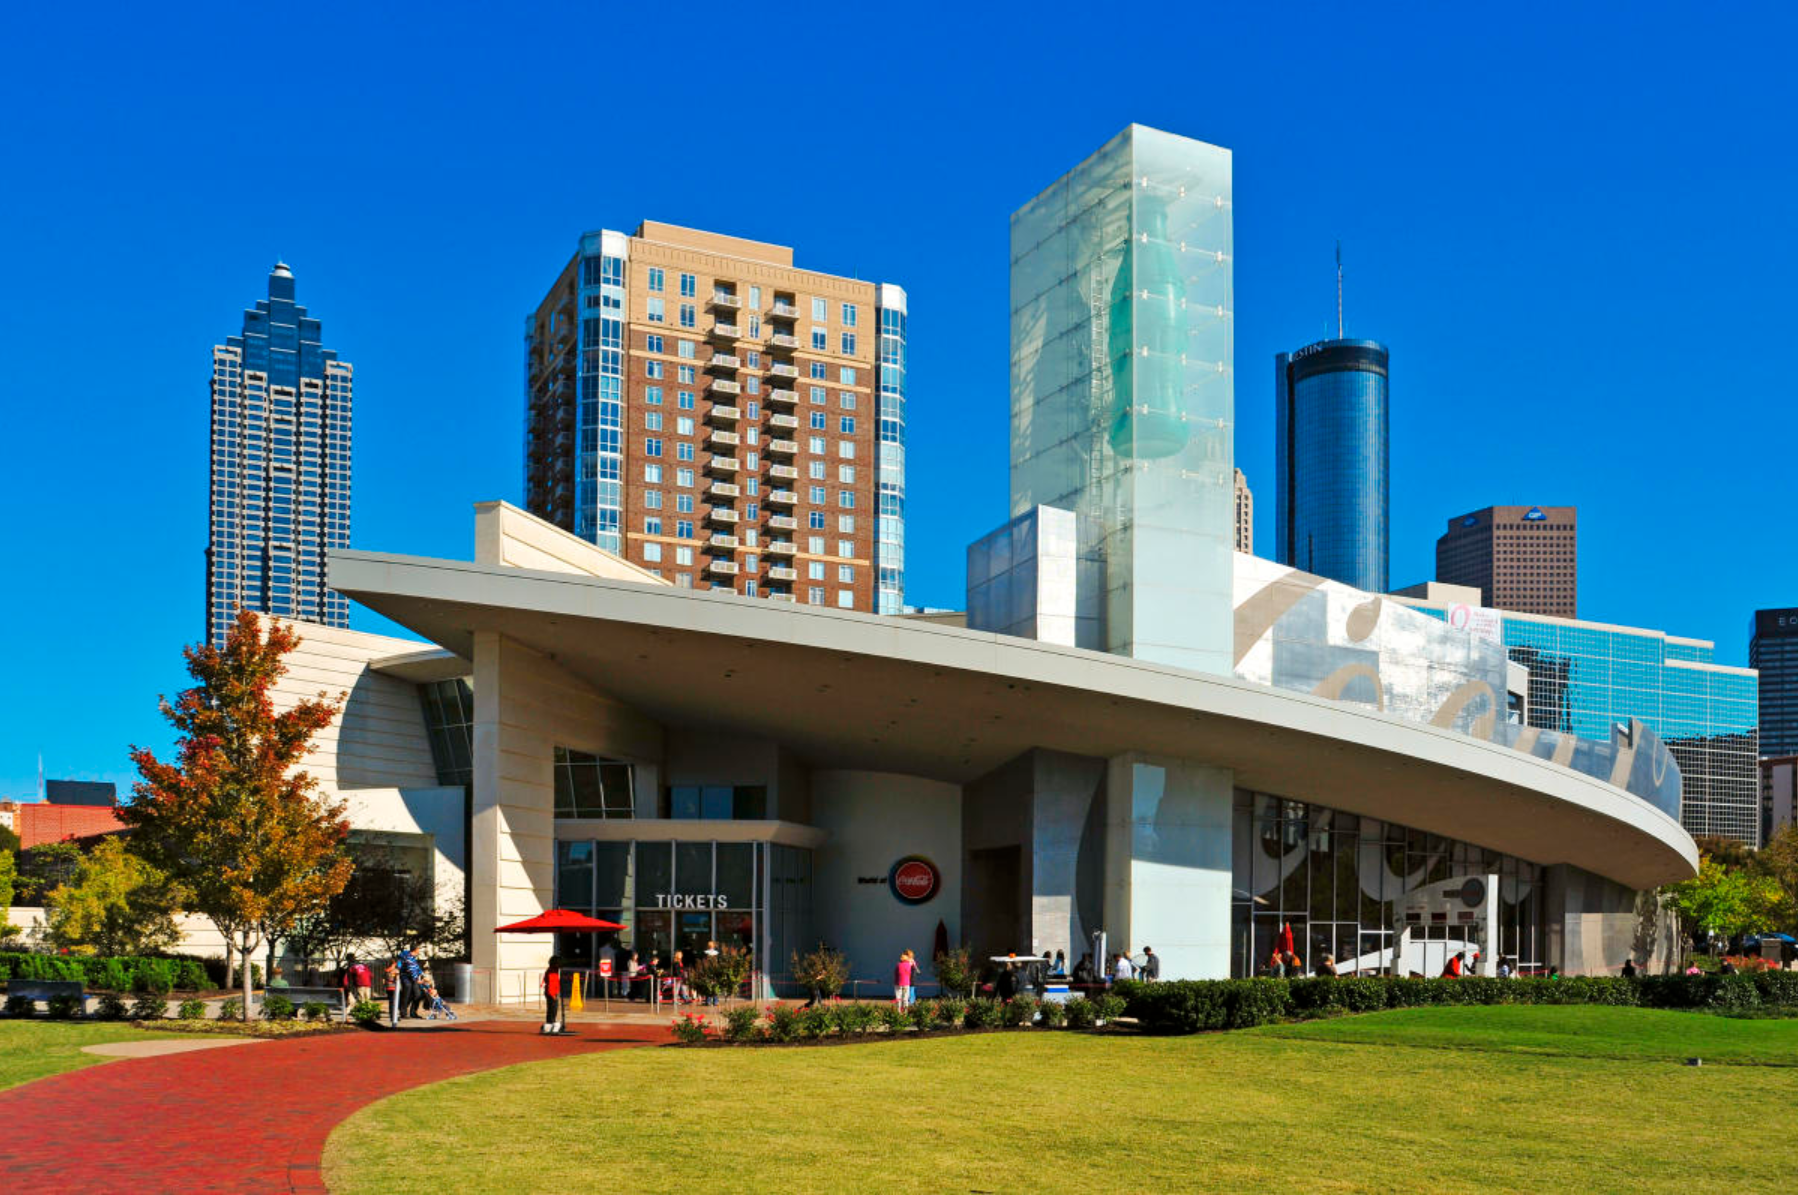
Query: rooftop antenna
x=1338, y=289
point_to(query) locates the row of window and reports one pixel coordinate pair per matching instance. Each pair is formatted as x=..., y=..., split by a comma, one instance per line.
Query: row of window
x=689, y=289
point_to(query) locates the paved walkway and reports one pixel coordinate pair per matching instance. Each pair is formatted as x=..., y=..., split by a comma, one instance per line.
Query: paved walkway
x=245, y=1120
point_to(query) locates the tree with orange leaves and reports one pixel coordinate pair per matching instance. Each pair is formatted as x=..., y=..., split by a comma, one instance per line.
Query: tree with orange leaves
x=232, y=819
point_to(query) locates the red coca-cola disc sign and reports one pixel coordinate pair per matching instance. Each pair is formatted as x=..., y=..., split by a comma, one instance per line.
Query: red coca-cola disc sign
x=914, y=880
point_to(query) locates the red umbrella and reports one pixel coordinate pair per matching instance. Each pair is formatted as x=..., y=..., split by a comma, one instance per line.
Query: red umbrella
x=1286, y=939
x=557, y=920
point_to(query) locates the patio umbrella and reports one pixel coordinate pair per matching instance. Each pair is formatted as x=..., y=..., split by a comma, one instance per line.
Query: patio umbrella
x=558, y=921
x=1286, y=939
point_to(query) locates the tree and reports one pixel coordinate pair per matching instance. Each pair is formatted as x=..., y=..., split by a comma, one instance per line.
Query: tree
x=956, y=972
x=7, y=875
x=44, y=867
x=117, y=904
x=1724, y=901
x=9, y=841
x=231, y=818
x=385, y=905
x=1778, y=861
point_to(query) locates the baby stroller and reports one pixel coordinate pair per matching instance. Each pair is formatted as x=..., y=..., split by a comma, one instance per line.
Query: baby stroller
x=436, y=1004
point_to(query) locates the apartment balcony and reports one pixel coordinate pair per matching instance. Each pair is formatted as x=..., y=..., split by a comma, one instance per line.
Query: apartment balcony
x=723, y=515
x=783, y=369
x=722, y=361
x=716, y=490
x=720, y=299
x=719, y=413
x=727, y=568
x=781, y=498
x=783, y=523
x=784, y=311
x=725, y=386
x=723, y=331
x=781, y=396
x=781, y=447
x=721, y=542
x=722, y=439
x=783, y=340
x=779, y=597
x=784, y=422
x=781, y=573
x=783, y=473
x=725, y=465
x=780, y=547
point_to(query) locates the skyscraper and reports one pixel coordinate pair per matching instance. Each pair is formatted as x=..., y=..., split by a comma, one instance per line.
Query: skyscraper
x=696, y=404
x=1330, y=461
x=1773, y=650
x=1245, y=514
x=280, y=489
x=1521, y=558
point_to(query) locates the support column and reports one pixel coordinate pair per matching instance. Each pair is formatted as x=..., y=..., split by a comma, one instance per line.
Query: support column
x=1168, y=865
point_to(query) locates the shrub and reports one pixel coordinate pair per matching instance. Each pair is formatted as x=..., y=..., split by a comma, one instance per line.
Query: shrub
x=192, y=1010
x=231, y=1009
x=981, y=1013
x=814, y=1022
x=1109, y=1007
x=315, y=1010
x=740, y=1023
x=822, y=970
x=110, y=1007
x=21, y=1006
x=955, y=972
x=691, y=1028
x=722, y=974
x=154, y=975
x=1053, y=1014
x=949, y=1011
x=1018, y=1012
x=276, y=1007
x=893, y=1018
x=149, y=1006
x=1080, y=1013
x=783, y=1022
x=190, y=975
x=63, y=1008
x=852, y=1019
x=921, y=1016
x=366, y=1013
x=109, y=974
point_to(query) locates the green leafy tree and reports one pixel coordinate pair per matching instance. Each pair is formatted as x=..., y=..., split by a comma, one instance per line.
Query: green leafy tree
x=8, y=875
x=1778, y=861
x=956, y=972
x=9, y=841
x=117, y=904
x=1726, y=901
x=44, y=867
x=232, y=818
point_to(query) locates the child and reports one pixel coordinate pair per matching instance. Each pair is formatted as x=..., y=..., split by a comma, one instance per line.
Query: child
x=552, y=994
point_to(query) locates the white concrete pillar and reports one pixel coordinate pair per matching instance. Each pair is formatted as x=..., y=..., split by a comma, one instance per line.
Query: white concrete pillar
x=1168, y=867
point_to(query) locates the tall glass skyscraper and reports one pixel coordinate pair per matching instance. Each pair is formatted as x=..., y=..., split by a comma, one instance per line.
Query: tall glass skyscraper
x=1123, y=383
x=280, y=492
x=1330, y=461
x=1773, y=651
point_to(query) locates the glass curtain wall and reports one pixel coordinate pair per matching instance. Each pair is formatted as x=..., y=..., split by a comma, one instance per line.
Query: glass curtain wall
x=1334, y=877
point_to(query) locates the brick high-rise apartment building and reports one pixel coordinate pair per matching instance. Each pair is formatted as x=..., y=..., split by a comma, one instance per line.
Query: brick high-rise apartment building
x=1520, y=558
x=699, y=405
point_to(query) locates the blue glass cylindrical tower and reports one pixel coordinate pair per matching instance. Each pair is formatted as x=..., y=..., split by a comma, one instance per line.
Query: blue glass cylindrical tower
x=1331, y=461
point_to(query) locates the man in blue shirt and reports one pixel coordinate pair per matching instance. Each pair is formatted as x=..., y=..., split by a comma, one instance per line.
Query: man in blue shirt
x=411, y=991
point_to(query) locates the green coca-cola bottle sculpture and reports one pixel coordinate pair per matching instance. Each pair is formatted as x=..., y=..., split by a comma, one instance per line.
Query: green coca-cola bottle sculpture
x=1148, y=312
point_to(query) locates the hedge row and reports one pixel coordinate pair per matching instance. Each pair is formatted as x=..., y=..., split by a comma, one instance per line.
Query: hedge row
x=1195, y=1005
x=112, y=974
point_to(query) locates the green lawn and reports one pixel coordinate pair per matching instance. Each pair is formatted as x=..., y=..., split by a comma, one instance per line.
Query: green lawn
x=32, y=1049
x=1510, y=1099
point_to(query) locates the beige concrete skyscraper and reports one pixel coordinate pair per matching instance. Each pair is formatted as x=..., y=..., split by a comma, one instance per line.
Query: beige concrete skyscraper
x=1245, y=515
x=1521, y=558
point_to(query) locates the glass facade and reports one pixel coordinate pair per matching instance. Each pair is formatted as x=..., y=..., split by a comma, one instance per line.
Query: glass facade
x=889, y=542
x=599, y=395
x=1123, y=382
x=1773, y=651
x=449, y=723
x=1330, y=461
x=1336, y=877
x=279, y=496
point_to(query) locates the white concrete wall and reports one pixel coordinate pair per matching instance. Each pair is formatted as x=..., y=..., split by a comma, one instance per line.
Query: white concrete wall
x=198, y=937
x=378, y=740
x=873, y=820
x=506, y=535
x=1168, y=867
x=418, y=817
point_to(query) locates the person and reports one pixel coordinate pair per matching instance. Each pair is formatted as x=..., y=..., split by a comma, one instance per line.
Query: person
x=277, y=978
x=677, y=968
x=392, y=976
x=905, y=974
x=409, y=976
x=1454, y=968
x=1629, y=968
x=346, y=983
x=632, y=970
x=1554, y=972
x=1295, y=966
x=1084, y=975
x=1504, y=968
x=552, y=994
x=711, y=951
x=1061, y=963
x=1151, y=964
x=1276, y=964
x=1328, y=966
x=1728, y=967
x=1123, y=968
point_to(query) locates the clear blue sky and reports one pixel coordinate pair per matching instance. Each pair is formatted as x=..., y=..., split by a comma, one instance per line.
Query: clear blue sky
x=1573, y=228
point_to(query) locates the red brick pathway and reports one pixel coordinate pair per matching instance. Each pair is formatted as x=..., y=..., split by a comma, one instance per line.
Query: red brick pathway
x=250, y=1119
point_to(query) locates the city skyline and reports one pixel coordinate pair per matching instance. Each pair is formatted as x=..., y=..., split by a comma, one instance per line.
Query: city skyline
x=444, y=431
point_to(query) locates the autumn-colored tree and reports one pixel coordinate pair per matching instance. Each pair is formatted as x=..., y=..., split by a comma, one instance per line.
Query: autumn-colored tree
x=1778, y=860
x=7, y=874
x=232, y=819
x=117, y=904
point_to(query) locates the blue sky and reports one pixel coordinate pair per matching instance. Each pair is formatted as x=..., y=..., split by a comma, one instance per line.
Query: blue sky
x=1574, y=229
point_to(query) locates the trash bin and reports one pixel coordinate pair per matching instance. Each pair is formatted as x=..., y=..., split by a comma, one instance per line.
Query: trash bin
x=464, y=986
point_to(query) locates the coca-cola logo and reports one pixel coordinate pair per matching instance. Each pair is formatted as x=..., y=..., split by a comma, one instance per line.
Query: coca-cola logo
x=914, y=880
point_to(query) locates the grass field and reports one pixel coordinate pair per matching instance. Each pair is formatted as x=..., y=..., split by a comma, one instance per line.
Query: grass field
x=1511, y=1099
x=32, y=1049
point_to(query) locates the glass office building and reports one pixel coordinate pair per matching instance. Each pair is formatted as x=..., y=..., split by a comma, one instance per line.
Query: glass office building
x=1330, y=461
x=1773, y=652
x=1123, y=383
x=280, y=467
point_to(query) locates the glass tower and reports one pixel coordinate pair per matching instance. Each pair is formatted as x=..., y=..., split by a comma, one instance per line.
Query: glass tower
x=1123, y=383
x=280, y=469
x=1330, y=461
x=889, y=545
x=1773, y=651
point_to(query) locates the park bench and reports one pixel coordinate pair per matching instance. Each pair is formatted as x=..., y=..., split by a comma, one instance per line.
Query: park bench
x=331, y=998
x=48, y=989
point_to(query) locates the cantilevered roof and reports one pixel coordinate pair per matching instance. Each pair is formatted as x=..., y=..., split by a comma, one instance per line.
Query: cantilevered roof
x=849, y=690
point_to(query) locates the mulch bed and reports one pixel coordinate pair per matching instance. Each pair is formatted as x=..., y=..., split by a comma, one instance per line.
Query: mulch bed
x=279, y=1029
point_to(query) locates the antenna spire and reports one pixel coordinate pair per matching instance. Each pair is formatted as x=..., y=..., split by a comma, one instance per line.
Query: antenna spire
x=1339, y=289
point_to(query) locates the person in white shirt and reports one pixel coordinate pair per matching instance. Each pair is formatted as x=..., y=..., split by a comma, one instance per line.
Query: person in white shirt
x=1124, y=968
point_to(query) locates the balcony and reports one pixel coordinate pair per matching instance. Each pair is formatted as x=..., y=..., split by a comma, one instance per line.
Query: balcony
x=782, y=523
x=783, y=473
x=722, y=331
x=726, y=465
x=784, y=311
x=781, y=498
x=779, y=597
x=727, y=568
x=782, y=340
x=721, y=542
x=781, y=447
x=722, y=439
x=785, y=422
x=720, y=299
x=721, y=514
x=723, y=386
x=780, y=573
x=722, y=361
x=781, y=396
x=721, y=489
x=780, y=547
x=719, y=413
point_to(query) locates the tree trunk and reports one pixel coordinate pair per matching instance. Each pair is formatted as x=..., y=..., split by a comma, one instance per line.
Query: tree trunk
x=248, y=949
x=230, y=956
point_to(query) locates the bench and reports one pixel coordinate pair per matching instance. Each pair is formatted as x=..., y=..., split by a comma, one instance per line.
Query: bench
x=331, y=998
x=48, y=989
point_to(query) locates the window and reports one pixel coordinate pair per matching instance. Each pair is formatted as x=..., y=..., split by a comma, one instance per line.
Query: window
x=815, y=544
x=846, y=599
x=749, y=588
x=652, y=395
x=817, y=495
x=685, y=400
x=755, y=298
x=815, y=444
x=686, y=375
x=652, y=525
x=814, y=570
x=653, y=342
x=815, y=520
x=846, y=425
x=750, y=460
x=753, y=436
x=684, y=477
x=820, y=310
x=688, y=349
x=689, y=286
x=817, y=395
x=589, y=786
x=752, y=511
x=652, y=420
x=655, y=279
x=688, y=316
x=818, y=370
x=683, y=451
x=652, y=369
x=652, y=552
x=652, y=499
x=652, y=447
x=846, y=549
x=816, y=468
x=820, y=340
x=846, y=449
x=846, y=573
x=846, y=400
x=683, y=555
x=817, y=421
x=755, y=327
x=845, y=473
x=683, y=528
x=683, y=580
x=751, y=537
x=752, y=385
x=656, y=313
x=750, y=562
x=848, y=342
x=846, y=498
x=848, y=375
x=683, y=504
x=652, y=474
x=683, y=425
x=849, y=315
x=846, y=524
x=814, y=596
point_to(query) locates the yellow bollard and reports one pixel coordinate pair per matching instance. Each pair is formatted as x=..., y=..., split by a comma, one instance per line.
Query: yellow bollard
x=574, y=998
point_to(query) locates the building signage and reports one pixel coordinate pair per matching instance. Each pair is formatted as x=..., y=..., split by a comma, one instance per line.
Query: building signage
x=1478, y=621
x=914, y=880
x=1534, y=515
x=677, y=900
x=1471, y=521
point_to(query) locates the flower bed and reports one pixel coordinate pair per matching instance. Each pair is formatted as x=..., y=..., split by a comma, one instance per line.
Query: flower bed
x=252, y=1029
x=841, y=1021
